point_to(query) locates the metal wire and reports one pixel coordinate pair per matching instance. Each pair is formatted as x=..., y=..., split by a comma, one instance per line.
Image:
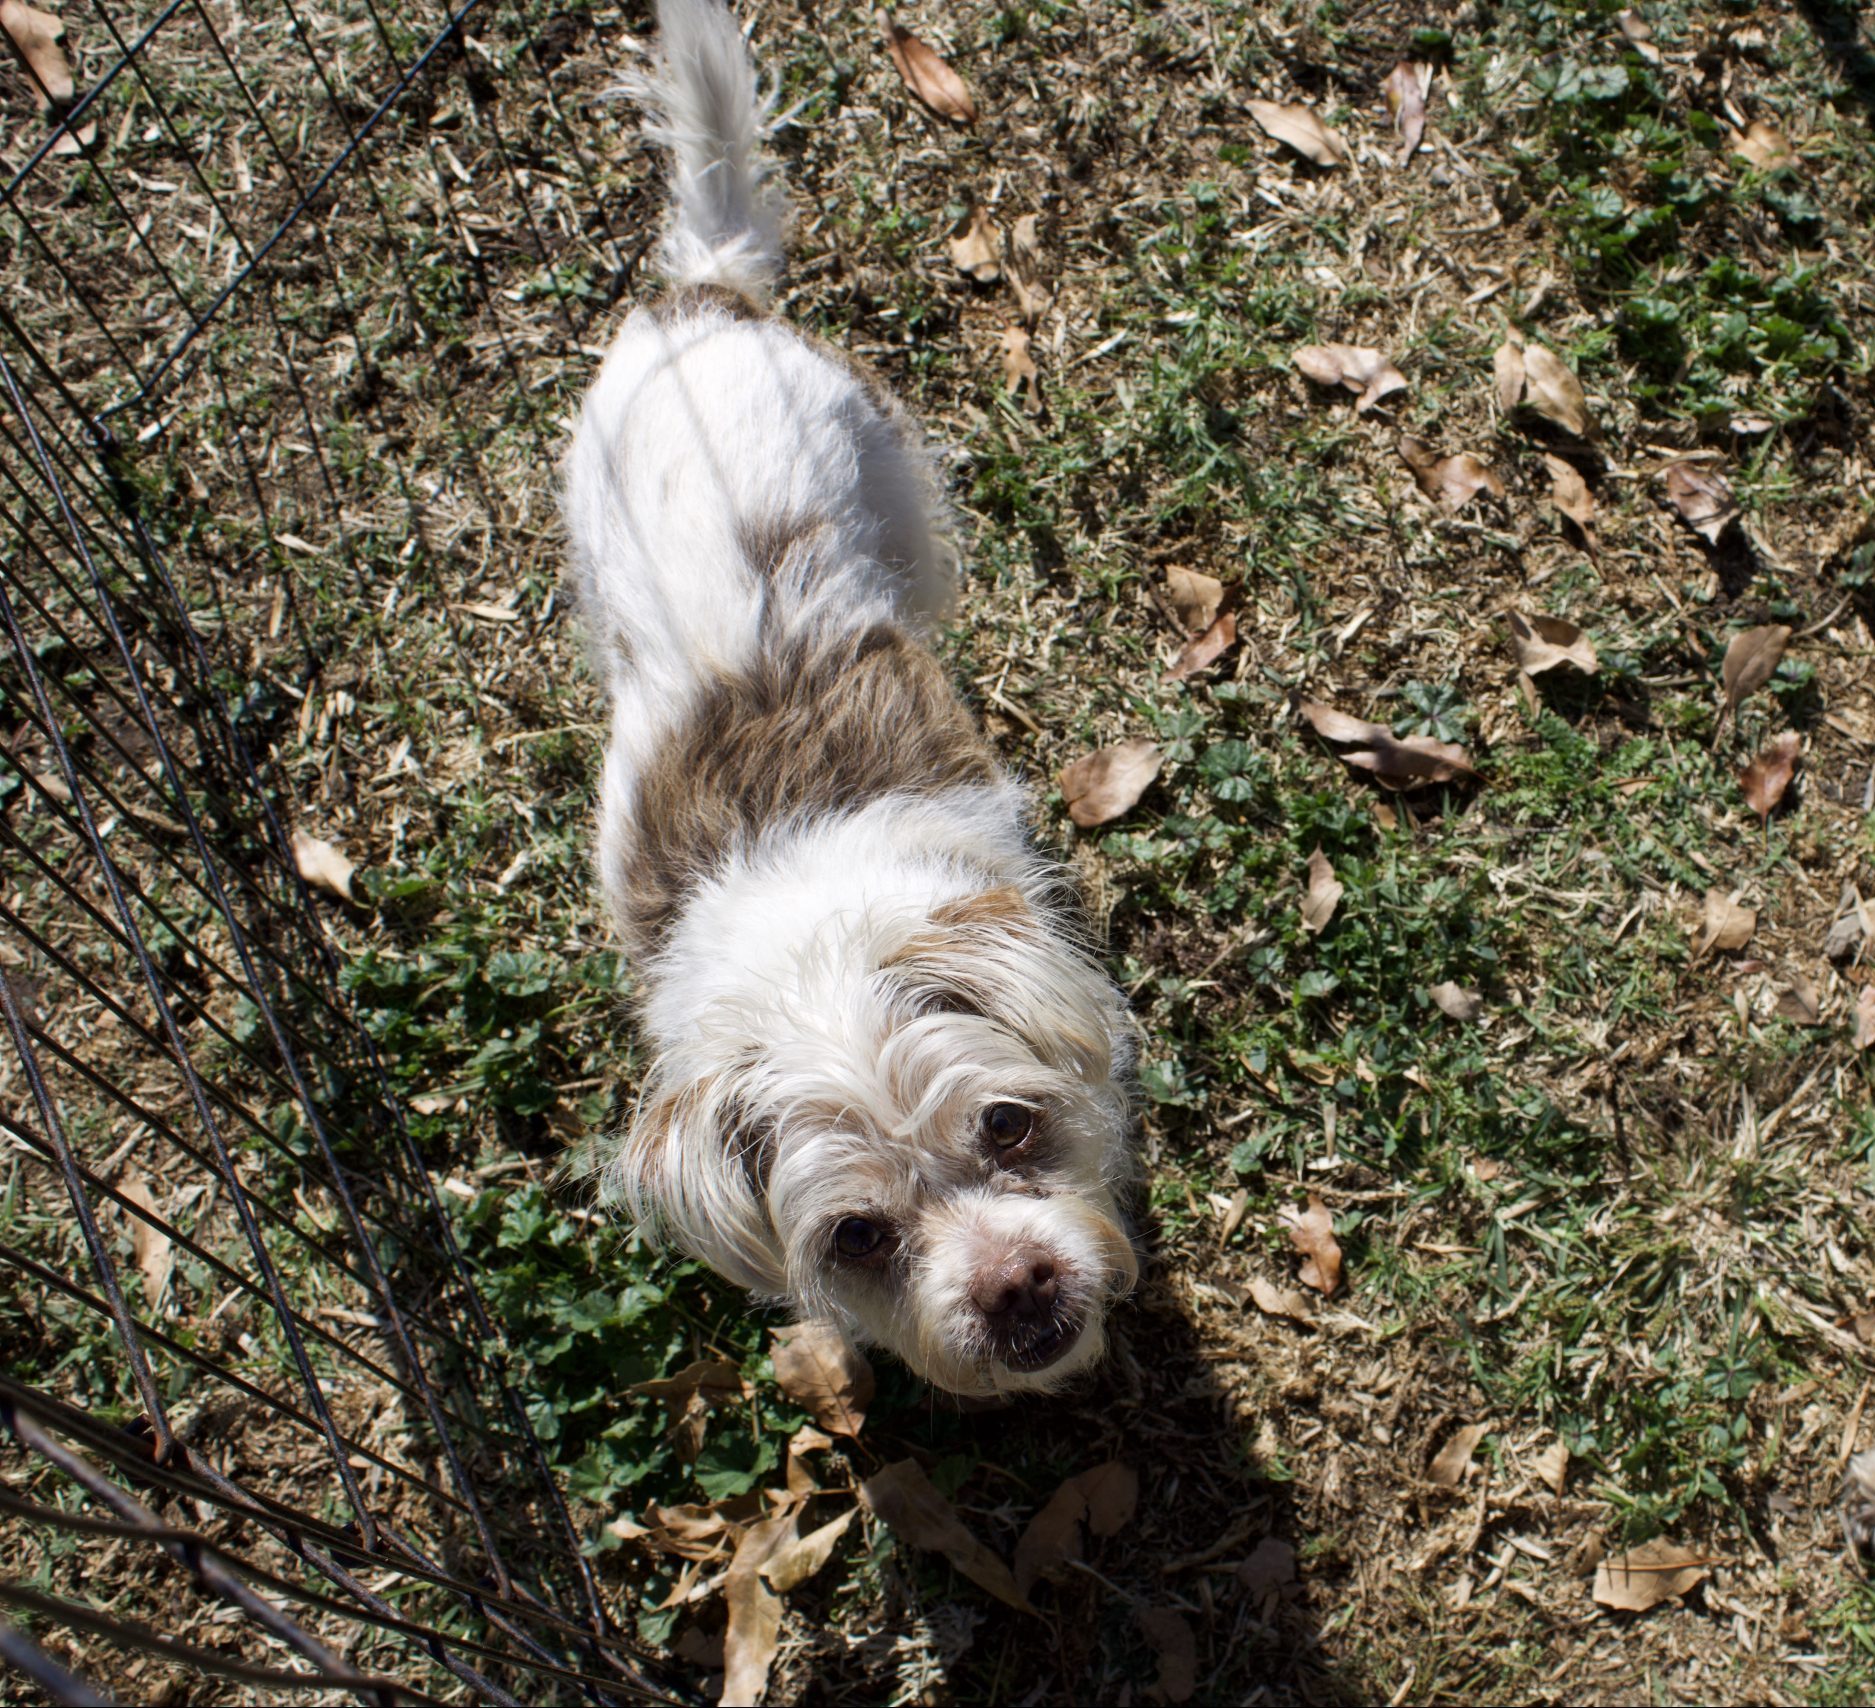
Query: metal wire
x=164, y=970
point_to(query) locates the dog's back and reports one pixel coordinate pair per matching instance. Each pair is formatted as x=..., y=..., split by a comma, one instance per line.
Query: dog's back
x=734, y=485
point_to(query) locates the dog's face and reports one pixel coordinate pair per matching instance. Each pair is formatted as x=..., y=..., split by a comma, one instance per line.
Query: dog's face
x=916, y=1125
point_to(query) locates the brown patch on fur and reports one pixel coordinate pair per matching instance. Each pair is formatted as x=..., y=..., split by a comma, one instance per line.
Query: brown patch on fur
x=683, y=302
x=821, y=724
x=1003, y=905
x=769, y=543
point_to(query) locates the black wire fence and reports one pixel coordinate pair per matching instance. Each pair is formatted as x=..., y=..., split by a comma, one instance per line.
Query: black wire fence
x=257, y=1442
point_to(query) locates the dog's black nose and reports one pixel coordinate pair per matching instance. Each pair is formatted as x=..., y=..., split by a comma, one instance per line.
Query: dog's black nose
x=1016, y=1293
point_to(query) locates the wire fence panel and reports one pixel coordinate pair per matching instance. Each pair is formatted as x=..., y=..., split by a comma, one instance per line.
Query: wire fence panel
x=259, y=1437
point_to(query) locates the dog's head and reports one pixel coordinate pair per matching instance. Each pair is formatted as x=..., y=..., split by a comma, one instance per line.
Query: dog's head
x=916, y=1123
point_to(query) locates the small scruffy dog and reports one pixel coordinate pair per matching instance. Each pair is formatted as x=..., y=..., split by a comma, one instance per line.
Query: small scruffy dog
x=889, y=1084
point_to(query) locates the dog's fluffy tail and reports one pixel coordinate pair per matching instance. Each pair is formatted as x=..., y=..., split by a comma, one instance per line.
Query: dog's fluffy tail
x=725, y=228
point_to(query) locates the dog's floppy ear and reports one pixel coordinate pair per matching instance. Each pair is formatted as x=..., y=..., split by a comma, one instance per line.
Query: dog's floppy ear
x=689, y=1174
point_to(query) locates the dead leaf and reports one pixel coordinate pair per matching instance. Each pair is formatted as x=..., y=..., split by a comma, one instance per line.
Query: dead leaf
x=1455, y=1000
x=1274, y=1301
x=1800, y=1003
x=1053, y=1536
x=904, y=1497
x=1409, y=762
x=1324, y=892
x=1726, y=925
x=977, y=248
x=1112, y=1492
x=1020, y=374
x=1353, y=367
x=1640, y=34
x=1299, y=127
x=1766, y=778
x=1751, y=659
x=322, y=865
x=926, y=75
x=1507, y=367
x=754, y=1611
x=1453, y=1460
x=1569, y=492
x=1865, y=1018
x=798, y=1558
x=1312, y=1232
x=481, y=608
x=805, y=1440
x=1455, y=480
x=37, y=35
x=1177, y=1649
x=1100, y=786
x=1270, y=1566
x=1206, y=649
x=714, y=1378
x=1553, y=391
x=819, y=1368
x=155, y=1257
x=1762, y=144
x=1406, y=89
x=1543, y=643
x=1195, y=598
x=1704, y=501
x=1552, y=1465
x=1644, y=1577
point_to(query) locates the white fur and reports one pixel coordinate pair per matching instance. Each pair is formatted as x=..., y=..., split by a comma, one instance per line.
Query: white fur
x=821, y=1049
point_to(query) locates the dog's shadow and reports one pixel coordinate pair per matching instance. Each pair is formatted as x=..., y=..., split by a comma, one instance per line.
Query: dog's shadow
x=1213, y=1562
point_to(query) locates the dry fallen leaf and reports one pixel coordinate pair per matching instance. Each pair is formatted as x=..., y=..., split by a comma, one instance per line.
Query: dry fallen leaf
x=819, y=1368
x=1020, y=373
x=1644, y=1577
x=1354, y=367
x=1751, y=659
x=1204, y=650
x=1455, y=480
x=1553, y=391
x=1409, y=762
x=926, y=75
x=1543, y=643
x=754, y=1611
x=155, y=1257
x=1725, y=925
x=1552, y=1465
x=1324, y=892
x=1762, y=144
x=37, y=35
x=1569, y=492
x=977, y=248
x=1312, y=1232
x=1704, y=501
x=1800, y=1003
x=1453, y=1460
x=322, y=865
x=1865, y=1018
x=1406, y=89
x=904, y=1497
x=1271, y=1564
x=1112, y=1492
x=1300, y=128
x=1640, y=34
x=1100, y=786
x=1507, y=369
x=1456, y=1001
x=1195, y=598
x=1053, y=1536
x=1177, y=1649
x=798, y=1558
x=715, y=1378
x=1274, y=1301
x=1766, y=778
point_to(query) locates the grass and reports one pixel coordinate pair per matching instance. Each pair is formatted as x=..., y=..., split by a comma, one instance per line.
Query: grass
x=1625, y=1212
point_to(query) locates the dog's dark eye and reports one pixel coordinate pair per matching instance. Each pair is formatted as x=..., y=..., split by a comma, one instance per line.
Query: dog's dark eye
x=857, y=1240
x=1007, y=1125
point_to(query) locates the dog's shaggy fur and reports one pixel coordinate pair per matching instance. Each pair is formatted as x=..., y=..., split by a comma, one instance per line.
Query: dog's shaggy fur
x=889, y=1084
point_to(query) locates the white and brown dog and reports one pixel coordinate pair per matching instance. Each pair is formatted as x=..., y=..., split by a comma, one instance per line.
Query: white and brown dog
x=888, y=1082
